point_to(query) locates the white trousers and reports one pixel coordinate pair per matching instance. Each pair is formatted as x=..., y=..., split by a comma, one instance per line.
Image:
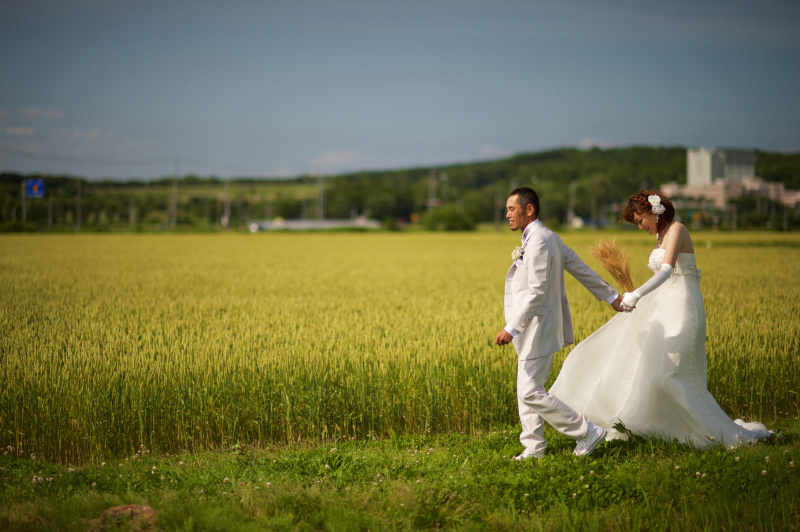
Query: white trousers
x=537, y=406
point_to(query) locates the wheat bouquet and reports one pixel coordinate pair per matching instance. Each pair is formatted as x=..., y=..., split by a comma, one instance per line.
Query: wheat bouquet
x=615, y=261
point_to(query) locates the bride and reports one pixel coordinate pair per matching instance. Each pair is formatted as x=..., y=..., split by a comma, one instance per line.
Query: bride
x=647, y=367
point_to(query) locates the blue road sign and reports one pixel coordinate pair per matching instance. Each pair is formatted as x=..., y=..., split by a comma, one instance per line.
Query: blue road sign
x=34, y=188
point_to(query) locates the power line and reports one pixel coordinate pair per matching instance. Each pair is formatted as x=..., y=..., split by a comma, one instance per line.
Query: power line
x=188, y=161
x=210, y=165
x=86, y=160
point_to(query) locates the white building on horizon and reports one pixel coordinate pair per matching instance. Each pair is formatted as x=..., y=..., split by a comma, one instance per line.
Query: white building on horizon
x=720, y=176
x=706, y=165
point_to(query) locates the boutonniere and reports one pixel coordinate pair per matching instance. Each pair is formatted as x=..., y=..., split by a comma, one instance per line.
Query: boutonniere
x=517, y=254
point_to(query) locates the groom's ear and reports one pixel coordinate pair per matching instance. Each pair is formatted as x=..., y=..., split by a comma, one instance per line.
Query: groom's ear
x=530, y=211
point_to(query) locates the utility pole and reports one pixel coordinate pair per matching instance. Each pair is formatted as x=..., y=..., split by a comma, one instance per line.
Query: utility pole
x=24, y=198
x=78, y=217
x=497, y=210
x=226, y=219
x=733, y=218
x=432, y=203
x=445, y=189
x=50, y=212
x=320, y=199
x=173, y=222
x=571, y=205
x=131, y=214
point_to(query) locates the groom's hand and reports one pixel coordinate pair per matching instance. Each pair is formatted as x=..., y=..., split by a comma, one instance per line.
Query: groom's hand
x=503, y=338
x=616, y=304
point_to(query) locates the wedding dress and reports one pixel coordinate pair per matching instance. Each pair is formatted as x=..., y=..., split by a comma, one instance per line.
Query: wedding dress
x=647, y=368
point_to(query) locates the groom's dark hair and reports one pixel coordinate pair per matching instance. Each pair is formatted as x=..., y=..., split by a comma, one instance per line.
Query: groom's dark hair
x=526, y=196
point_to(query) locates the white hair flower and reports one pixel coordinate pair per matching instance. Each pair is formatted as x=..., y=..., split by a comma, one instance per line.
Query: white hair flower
x=655, y=201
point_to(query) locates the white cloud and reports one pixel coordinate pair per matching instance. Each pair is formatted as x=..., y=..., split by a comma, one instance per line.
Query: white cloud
x=588, y=143
x=85, y=134
x=30, y=113
x=490, y=151
x=18, y=130
x=333, y=159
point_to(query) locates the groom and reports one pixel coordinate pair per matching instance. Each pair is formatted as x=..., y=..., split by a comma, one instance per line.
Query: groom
x=539, y=324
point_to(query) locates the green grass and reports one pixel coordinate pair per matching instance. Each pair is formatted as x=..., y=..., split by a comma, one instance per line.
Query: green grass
x=422, y=482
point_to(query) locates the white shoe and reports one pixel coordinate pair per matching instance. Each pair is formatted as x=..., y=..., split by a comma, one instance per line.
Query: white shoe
x=524, y=456
x=590, y=442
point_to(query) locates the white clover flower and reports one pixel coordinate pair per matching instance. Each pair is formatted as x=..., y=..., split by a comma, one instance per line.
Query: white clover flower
x=94, y=484
x=764, y=472
x=581, y=477
x=120, y=476
x=791, y=464
x=737, y=458
x=586, y=486
x=677, y=468
x=697, y=474
x=591, y=472
x=574, y=495
x=226, y=480
x=327, y=466
x=269, y=484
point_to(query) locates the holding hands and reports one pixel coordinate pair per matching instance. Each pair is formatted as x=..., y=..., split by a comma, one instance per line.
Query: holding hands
x=629, y=301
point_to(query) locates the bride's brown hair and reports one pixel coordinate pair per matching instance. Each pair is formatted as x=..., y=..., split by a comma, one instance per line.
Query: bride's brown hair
x=639, y=204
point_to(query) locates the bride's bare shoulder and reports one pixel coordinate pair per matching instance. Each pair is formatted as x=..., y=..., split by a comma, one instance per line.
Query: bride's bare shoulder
x=679, y=232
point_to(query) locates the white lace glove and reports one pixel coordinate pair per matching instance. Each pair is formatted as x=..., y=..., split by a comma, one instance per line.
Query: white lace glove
x=630, y=299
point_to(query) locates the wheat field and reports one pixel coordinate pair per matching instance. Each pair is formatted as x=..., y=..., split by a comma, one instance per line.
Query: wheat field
x=200, y=341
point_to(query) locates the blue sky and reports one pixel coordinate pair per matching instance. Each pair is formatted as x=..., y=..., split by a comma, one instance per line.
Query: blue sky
x=284, y=88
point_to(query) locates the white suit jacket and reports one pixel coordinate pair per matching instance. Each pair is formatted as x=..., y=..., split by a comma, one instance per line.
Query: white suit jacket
x=536, y=298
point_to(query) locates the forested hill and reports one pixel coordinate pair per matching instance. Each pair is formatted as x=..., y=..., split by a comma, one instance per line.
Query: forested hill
x=600, y=178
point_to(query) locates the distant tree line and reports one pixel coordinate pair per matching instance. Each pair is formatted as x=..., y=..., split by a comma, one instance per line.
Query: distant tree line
x=465, y=194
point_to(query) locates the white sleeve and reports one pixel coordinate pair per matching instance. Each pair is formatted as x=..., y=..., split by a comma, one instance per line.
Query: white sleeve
x=631, y=298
